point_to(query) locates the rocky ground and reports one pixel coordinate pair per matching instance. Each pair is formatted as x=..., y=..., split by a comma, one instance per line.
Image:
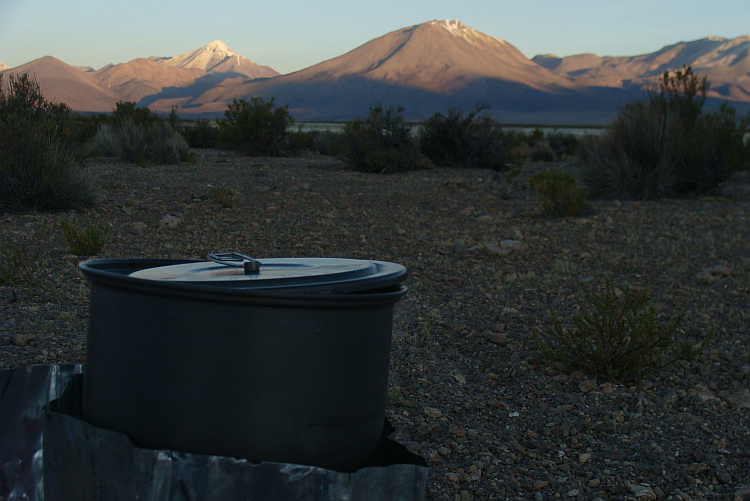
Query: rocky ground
x=469, y=390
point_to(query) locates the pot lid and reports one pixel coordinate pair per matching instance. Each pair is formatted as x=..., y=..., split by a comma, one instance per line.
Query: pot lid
x=310, y=274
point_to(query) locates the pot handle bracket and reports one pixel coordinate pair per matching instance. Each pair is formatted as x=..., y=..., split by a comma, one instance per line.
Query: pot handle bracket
x=251, y=265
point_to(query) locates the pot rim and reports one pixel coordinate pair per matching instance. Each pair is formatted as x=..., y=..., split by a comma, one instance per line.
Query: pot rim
x=115, y=273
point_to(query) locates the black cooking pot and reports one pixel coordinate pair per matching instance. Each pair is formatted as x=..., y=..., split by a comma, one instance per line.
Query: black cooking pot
x=280, y=360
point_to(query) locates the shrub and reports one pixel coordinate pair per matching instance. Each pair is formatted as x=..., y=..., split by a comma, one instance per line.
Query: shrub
x=87, y=241
x=382, y=143
x=40, y=161
x=255, y=128
x=157, y=142
x=561, y=195
x=329, y=143
x=200, y=134
x=225, y=197
x=617, y=336
x=127, y=111
x=667, y=145
x=458, y=140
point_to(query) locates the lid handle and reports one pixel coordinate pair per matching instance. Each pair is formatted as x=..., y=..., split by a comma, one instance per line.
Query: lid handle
x=237, y=260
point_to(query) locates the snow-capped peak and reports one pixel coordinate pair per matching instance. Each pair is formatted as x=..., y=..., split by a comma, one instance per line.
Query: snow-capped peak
x=3, y=66
x=459, y=29
x=204, y=58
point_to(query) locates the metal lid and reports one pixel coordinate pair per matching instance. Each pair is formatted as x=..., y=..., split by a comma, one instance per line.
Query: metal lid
x=310, y=274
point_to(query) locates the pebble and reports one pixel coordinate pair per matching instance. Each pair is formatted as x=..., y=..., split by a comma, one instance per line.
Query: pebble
x=573, y=493
x=138, y=228
x=499, y=338
x=432, y=412
x=169, y=221
x=587, y=385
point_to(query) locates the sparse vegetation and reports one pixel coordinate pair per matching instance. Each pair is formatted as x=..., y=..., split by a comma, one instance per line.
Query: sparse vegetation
x=137, y=135
x=667, y=145
x=225, y=197
x=200, y=134
x=463, y=140
x=617, y=335
x=40, y=159
x=87, y=241
x=382, y=143
x=15, y=261
x=561, y=195
x=255, y=128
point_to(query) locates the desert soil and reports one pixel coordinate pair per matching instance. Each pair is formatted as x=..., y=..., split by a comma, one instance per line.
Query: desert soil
x=487, y=269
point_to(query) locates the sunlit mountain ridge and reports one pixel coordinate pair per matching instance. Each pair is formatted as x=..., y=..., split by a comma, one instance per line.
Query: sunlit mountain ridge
x=426, y=68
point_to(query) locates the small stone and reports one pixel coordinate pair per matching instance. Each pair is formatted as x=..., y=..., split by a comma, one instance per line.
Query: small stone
x=499, y=338
x=432, y=412
x=587, y=385
x=538, y=496
x=457, y=431
x=607, y=388
x=702, y=392
x=723, y=477
x=22, y=340
x=573, y=493
x=583, y=458
x=428, y=429
x=595, y=482
x=740, y=399
x=540, y=484
x=510, y=244
x=169, y=221
x=466, y=496
x=138, y=228
x=444, y=451
x=641, y=491
x=459, y=378
x=451, y=476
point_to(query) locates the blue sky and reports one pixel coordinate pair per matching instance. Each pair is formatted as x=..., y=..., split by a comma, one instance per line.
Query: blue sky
x=290, y=35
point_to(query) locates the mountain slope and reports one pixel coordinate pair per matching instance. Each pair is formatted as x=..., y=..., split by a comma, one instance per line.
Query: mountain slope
x=60, y=82
x=725, y=62
x=220, y=60
x=427, y=68
x=141, y=78
x=4, y=66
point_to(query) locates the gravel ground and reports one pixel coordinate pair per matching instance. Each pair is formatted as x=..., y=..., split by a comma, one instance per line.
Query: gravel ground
x=469, y=391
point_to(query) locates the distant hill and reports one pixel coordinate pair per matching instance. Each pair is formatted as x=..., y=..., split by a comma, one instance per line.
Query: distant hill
x=427, y=68
x=61, y=82
x=3, y=66
x=726, y=63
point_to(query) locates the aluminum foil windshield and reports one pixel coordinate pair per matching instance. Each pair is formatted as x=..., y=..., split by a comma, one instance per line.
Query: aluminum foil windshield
x=77, y=461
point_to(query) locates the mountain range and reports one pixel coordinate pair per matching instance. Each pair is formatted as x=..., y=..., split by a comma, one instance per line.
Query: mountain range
x=426, y=68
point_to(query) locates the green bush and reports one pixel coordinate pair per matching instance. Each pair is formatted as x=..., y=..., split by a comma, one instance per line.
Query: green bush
x=667, y=145
x=561, y=195
x=329, y=143
x=463, y=140
x=156, y=142
x=200, y=134
x=225, y=197
x=617, y=336
x=40, y=158
x=382, y=143
x=127, y=111
x=255, y=128
x=87, y=241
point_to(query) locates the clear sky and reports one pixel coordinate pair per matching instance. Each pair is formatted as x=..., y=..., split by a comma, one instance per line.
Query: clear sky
x=290, y=35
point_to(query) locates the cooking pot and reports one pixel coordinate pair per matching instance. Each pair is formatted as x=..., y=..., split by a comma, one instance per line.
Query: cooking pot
x=281, y=360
